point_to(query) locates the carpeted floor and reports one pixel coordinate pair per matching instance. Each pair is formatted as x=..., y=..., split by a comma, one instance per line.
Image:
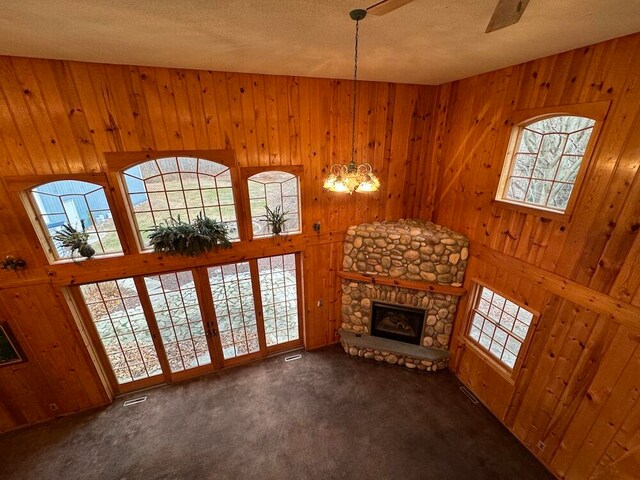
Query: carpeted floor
x=326, y=415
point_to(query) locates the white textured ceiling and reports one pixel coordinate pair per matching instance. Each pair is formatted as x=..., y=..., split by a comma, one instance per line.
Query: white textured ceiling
x=427, y=41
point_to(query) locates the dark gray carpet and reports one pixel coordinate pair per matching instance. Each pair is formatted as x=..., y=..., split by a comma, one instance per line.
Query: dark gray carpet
x=324, y=416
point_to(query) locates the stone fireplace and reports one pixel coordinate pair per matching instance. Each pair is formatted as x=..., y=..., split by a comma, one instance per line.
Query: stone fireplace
x=397, y=323
x=401, y=282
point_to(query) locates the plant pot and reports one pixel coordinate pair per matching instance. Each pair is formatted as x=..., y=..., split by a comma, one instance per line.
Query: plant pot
x=87, y=251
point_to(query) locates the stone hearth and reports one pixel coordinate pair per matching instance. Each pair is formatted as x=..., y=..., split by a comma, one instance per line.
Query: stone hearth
x=419, y=252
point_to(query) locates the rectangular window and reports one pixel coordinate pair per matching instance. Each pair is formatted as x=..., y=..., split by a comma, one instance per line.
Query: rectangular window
x=117, y=315
x=278, y=289
x=175, y=305
x=235, y=309
x=499, y=326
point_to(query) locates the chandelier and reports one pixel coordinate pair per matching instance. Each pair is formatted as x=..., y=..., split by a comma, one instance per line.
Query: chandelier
x=352, y=177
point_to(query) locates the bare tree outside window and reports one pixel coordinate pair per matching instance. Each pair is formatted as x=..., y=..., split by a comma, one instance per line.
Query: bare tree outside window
x=546, y=164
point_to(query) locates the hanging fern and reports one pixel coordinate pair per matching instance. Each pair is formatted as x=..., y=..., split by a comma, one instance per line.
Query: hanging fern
x=175, y=237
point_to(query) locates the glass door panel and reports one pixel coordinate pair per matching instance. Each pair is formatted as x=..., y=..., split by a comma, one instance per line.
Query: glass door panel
x=232, y=294
x=174, y=301
x=279, y=292
x=120, y=323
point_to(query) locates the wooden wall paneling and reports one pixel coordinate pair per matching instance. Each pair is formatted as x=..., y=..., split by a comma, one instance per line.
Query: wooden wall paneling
x=623, y=398
x=210, y=109
x=58, y=371
x=424, y=205
x=571, y=375
x=614, y=309
x=79, y=124
x=190, y=124
x=611, y=366
x=112, y=83
x=419, y=142
x=240, y=142
x=573, y=393
x=243, y=91
x=316, y=99
x=381, y=147
x=626, y=442
x=623, y=225
x=168, y=110
x=15, y=95
x=100, y=129
x=591, y=215
x=65, y=136
x=142, y=110
x=39, y=109
x=627, y=282
x=272, y=122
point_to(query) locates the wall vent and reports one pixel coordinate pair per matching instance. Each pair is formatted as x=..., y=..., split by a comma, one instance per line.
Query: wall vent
x=469, y=394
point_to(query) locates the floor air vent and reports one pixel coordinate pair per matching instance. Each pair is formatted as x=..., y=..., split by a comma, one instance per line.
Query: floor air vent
x=469, y=395
x=134, y=401
x=291, y=358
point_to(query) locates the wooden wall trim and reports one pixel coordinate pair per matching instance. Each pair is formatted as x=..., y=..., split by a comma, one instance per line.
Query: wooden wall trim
x=614, y=309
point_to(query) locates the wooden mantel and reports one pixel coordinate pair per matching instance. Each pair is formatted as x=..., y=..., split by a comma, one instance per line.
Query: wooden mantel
x=394, y=282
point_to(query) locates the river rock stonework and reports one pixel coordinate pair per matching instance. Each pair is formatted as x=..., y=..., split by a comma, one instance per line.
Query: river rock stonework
x=409, y=249
x=394, y=359
x=357, y=298
x=413, y=250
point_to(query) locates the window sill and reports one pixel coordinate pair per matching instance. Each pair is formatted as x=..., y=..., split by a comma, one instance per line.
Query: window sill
x=101, y=256
x=531, y=210
x=500, y=369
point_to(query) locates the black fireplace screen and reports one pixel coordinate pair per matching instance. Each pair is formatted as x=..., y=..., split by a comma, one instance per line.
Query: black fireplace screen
x=397, y=322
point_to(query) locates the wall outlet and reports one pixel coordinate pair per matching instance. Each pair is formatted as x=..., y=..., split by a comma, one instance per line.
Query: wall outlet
x=540, y=445
x=53, y=407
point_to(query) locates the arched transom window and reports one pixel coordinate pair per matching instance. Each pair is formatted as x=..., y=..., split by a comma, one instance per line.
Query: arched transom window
x=547, y=160
x=274, y=189
x=179, y=187
x=79, y=205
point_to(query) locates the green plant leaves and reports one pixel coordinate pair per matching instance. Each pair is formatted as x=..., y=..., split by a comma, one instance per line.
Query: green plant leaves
x=176, y=237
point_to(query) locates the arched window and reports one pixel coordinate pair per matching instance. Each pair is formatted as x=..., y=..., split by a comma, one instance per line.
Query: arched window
x=76, y=203
x=274, y=189
x=546, y=161
x=179, y=187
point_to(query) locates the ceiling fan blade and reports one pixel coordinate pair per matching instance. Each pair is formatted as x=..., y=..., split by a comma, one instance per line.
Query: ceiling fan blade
x=386, y=6
x=507, y=13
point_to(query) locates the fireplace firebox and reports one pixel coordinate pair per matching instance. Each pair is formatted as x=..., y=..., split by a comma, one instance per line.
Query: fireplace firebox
x=396, y=322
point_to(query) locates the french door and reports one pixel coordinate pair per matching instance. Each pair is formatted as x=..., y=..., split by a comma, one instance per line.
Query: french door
x=175, y=325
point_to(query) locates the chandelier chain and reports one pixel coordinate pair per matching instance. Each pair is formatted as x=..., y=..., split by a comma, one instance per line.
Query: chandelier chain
x=355, y=94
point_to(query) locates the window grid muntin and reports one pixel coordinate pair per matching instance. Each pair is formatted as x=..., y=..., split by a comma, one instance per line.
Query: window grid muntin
x=497, y=325
x=257, y=217
x=178, y=350
x=37, y=200
x=268, y=269
x=149, y=361
x=243, y=340
x=553, y=180
x=187, y=213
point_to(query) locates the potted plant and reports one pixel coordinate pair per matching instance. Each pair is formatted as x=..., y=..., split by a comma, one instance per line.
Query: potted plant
x=175, y=237
x=74, y=240
x=275, y=219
